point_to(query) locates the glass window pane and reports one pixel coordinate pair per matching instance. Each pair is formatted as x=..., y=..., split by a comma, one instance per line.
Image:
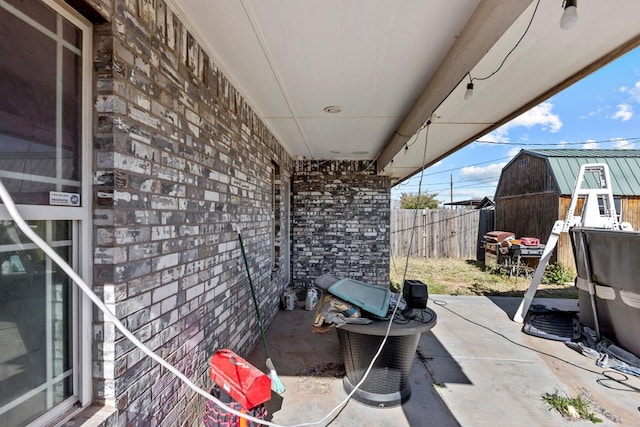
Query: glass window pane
x=72, y=34
x=61, y=230
x=33, y=192
x=61, y=297
x=27, y=101
x=28, y=87
x=71, y=115
x=35, y=322
x=37, y=11
x=25, y=411
x=29, y=119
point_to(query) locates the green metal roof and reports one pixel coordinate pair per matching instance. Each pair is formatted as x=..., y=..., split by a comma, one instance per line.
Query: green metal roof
x=624, y=168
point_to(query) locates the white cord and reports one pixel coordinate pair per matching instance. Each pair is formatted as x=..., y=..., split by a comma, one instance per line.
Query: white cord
x=17, y=218
x=24, y=227
x=395, y=309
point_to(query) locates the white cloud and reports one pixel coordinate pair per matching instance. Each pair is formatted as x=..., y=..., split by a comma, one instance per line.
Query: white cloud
x=513, y=151
x=482, y=173
x=498, y=135
x=624, y=113
x=590, y=145
x=468, y=193
x=633, y=91
x=598, y=111
x=623, y=144
x=540, y=115
x=438, y=163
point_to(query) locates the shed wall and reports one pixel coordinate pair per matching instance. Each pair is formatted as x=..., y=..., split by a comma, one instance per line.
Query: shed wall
x=527, y=215
x=630, y=212
x=526, y=175
x=564, y=251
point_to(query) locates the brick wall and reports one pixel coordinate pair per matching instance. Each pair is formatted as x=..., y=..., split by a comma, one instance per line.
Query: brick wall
x=178, y=157
x=340, y=222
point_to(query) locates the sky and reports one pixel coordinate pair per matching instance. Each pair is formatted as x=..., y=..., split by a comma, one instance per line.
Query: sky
x=600, y=111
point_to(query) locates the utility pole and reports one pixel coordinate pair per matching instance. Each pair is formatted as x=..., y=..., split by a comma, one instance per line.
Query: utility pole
x=451, y=190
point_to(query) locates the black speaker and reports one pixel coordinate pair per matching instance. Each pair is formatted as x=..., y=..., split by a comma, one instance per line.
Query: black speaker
x=415, y=293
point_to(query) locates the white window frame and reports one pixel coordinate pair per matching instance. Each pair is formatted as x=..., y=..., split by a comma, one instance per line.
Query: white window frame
x=82, y=319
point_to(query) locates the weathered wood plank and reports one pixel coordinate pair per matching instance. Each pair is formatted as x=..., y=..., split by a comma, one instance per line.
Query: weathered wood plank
x=439, y=233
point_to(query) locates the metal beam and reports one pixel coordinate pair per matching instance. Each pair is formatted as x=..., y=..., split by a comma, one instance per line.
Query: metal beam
x=488, y=23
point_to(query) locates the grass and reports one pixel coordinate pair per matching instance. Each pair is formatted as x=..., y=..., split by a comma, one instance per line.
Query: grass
x=572, y=408
x=452, y=276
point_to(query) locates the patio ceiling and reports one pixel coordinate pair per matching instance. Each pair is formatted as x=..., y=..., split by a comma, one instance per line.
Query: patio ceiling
x=393, y=64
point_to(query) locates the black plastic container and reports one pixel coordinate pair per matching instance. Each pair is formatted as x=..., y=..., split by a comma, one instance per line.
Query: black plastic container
x=415, y=293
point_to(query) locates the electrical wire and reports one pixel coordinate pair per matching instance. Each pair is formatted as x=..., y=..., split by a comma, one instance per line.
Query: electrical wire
x=443, y=304
x=605, y=373
x=523, y=146
x=415, y=138
x=473, y=164
x=558, y=144
x=110, y=316
x=495, y=178
x=408, y=184
x=512, y=49
x=86, y=289
x=465, y=213
x=415, y=218
x=415, y=215
x=479, y=183
x=341, y=405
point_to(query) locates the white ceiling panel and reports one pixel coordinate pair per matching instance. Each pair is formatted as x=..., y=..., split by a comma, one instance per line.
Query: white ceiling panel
x=346, y=138
x=289, y=131
x=393, y=64
x=370, y=57
x=228, y=36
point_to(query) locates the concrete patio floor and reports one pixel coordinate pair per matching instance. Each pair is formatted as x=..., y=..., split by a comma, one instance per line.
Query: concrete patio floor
x=475, y=368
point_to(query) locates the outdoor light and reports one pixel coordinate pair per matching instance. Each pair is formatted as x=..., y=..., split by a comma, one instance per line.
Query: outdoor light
x=570, y=14
x=469, y=93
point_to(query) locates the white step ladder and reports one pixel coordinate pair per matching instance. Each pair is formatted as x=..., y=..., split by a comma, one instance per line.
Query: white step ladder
x=598, y=211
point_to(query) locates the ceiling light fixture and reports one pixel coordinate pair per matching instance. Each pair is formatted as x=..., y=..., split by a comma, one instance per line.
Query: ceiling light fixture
x=333, y=109
x=469, y=93
x=570, y=14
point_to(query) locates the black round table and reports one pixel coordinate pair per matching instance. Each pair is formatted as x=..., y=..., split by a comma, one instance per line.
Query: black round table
x=387, y=384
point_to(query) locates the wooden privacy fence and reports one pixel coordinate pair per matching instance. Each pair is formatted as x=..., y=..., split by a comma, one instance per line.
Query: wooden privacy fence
x=439, y=233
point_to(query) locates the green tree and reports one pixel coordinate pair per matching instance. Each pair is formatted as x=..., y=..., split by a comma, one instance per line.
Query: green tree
x=425, y=201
